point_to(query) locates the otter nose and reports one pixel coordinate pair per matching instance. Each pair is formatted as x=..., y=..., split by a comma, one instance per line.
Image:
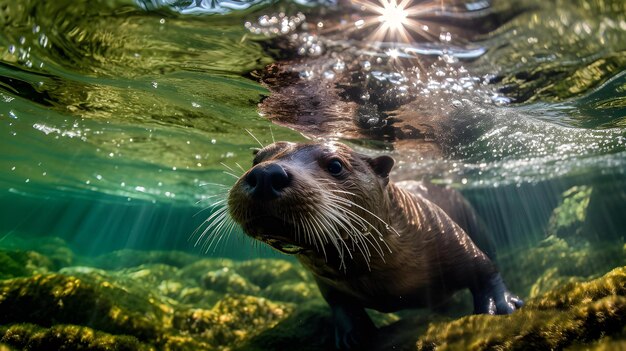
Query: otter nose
x=267, y=181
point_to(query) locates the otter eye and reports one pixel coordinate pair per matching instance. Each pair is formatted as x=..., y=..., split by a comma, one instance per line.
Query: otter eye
x=335, y=167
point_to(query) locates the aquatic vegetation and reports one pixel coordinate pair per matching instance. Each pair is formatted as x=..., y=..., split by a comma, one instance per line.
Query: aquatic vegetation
x=574, y=313
x=71, y=337
x=568, y=218
x=198, y=305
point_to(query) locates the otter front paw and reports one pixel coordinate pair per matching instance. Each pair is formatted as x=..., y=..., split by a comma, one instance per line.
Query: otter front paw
x=353, y=327
x=495, y=298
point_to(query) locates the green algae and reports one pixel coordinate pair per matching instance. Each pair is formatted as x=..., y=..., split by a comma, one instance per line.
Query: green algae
x=175, y=301
x=133, y=258
x=53, y=298
x=569, y=217
x=67, y=337
x=22, y=263
x=554, y=261
x=577, y=312
x=232, y=320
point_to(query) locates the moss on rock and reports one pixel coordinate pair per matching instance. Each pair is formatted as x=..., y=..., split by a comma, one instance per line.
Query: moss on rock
x=22, y=263
x=263, y=272
x=554, y=260
x=292, y=291
x=226, y=280
x=578, y=312
x=199, y=268
x=132, y=258
x=55, y=249
x=233, y=320
x=52, y=299
x=67, y=337
x=568, y=218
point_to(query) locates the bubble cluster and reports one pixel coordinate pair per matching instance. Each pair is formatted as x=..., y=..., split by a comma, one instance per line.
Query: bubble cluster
x=271, y=25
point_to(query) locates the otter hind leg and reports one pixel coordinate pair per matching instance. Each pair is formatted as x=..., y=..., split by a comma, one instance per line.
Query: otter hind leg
x=493, y=297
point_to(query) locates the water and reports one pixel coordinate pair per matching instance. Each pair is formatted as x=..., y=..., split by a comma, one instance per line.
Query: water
x=118, y=119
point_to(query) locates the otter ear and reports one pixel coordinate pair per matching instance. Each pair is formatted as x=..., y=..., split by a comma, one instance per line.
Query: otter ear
x=255, y=150
x=382, y=165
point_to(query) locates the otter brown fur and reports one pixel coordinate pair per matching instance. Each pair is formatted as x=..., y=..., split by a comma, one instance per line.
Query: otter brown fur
x=368, y=242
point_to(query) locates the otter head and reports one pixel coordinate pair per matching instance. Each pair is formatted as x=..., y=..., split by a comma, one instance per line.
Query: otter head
x=307, y=198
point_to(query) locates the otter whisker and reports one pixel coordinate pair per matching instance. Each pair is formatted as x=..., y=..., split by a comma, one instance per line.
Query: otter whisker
x=387, y=226
x=212, y=205
x=231, y=174
x=355, y=234
x=315, y=234
x=216, y=184
x=255, y=138
x=362, y=222
x=211, y=223
x=228, y=167
x=241, y=168
x=218, y=229
x=323, y=231
x=330, y=214
x=335, y=236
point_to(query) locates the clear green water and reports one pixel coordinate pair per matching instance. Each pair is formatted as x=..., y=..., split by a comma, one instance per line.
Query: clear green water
x=131, y=111
x=116, y=118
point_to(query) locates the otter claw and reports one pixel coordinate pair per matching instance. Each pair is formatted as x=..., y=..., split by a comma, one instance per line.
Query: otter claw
x=495, y=298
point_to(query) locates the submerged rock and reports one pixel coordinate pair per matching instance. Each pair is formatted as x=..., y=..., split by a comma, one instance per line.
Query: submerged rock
x=226, y=280
x=554, y=261
x=575, y=313
x=22, y=263
x=51, y=299
x=263, y=272
x=179, y=302
x=199, y=268
x=67, y=337
x=233, y=320
x=568, y=218
x=132, y=258
x=54, y=249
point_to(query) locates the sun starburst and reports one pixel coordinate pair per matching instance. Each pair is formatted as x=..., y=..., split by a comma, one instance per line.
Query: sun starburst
x=395, y=22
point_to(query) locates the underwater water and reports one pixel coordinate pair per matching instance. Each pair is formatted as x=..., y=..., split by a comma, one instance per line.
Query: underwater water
x=123, y=123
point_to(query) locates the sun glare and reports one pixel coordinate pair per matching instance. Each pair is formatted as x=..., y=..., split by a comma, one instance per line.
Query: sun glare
x=393, y=15
x=396, y=20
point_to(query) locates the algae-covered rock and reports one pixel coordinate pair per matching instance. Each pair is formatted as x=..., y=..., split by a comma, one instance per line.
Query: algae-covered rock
x=151, y=274
x=22, y=263
x=198, y=269
x=568, y=218
x=53, y=298
x=576, y=313
x=67, y=337
x=292, y=291
x=55, y=249
x=537, y=269
x=132, y=258
x=226, y=280
x=308, y=328
x=232, y=320
x=263, y=272
x=198, y=297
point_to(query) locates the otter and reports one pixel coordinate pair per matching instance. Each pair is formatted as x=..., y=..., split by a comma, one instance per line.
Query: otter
x=370, y=243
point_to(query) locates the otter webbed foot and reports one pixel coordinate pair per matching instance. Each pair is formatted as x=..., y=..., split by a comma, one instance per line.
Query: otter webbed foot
x=495, y=298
